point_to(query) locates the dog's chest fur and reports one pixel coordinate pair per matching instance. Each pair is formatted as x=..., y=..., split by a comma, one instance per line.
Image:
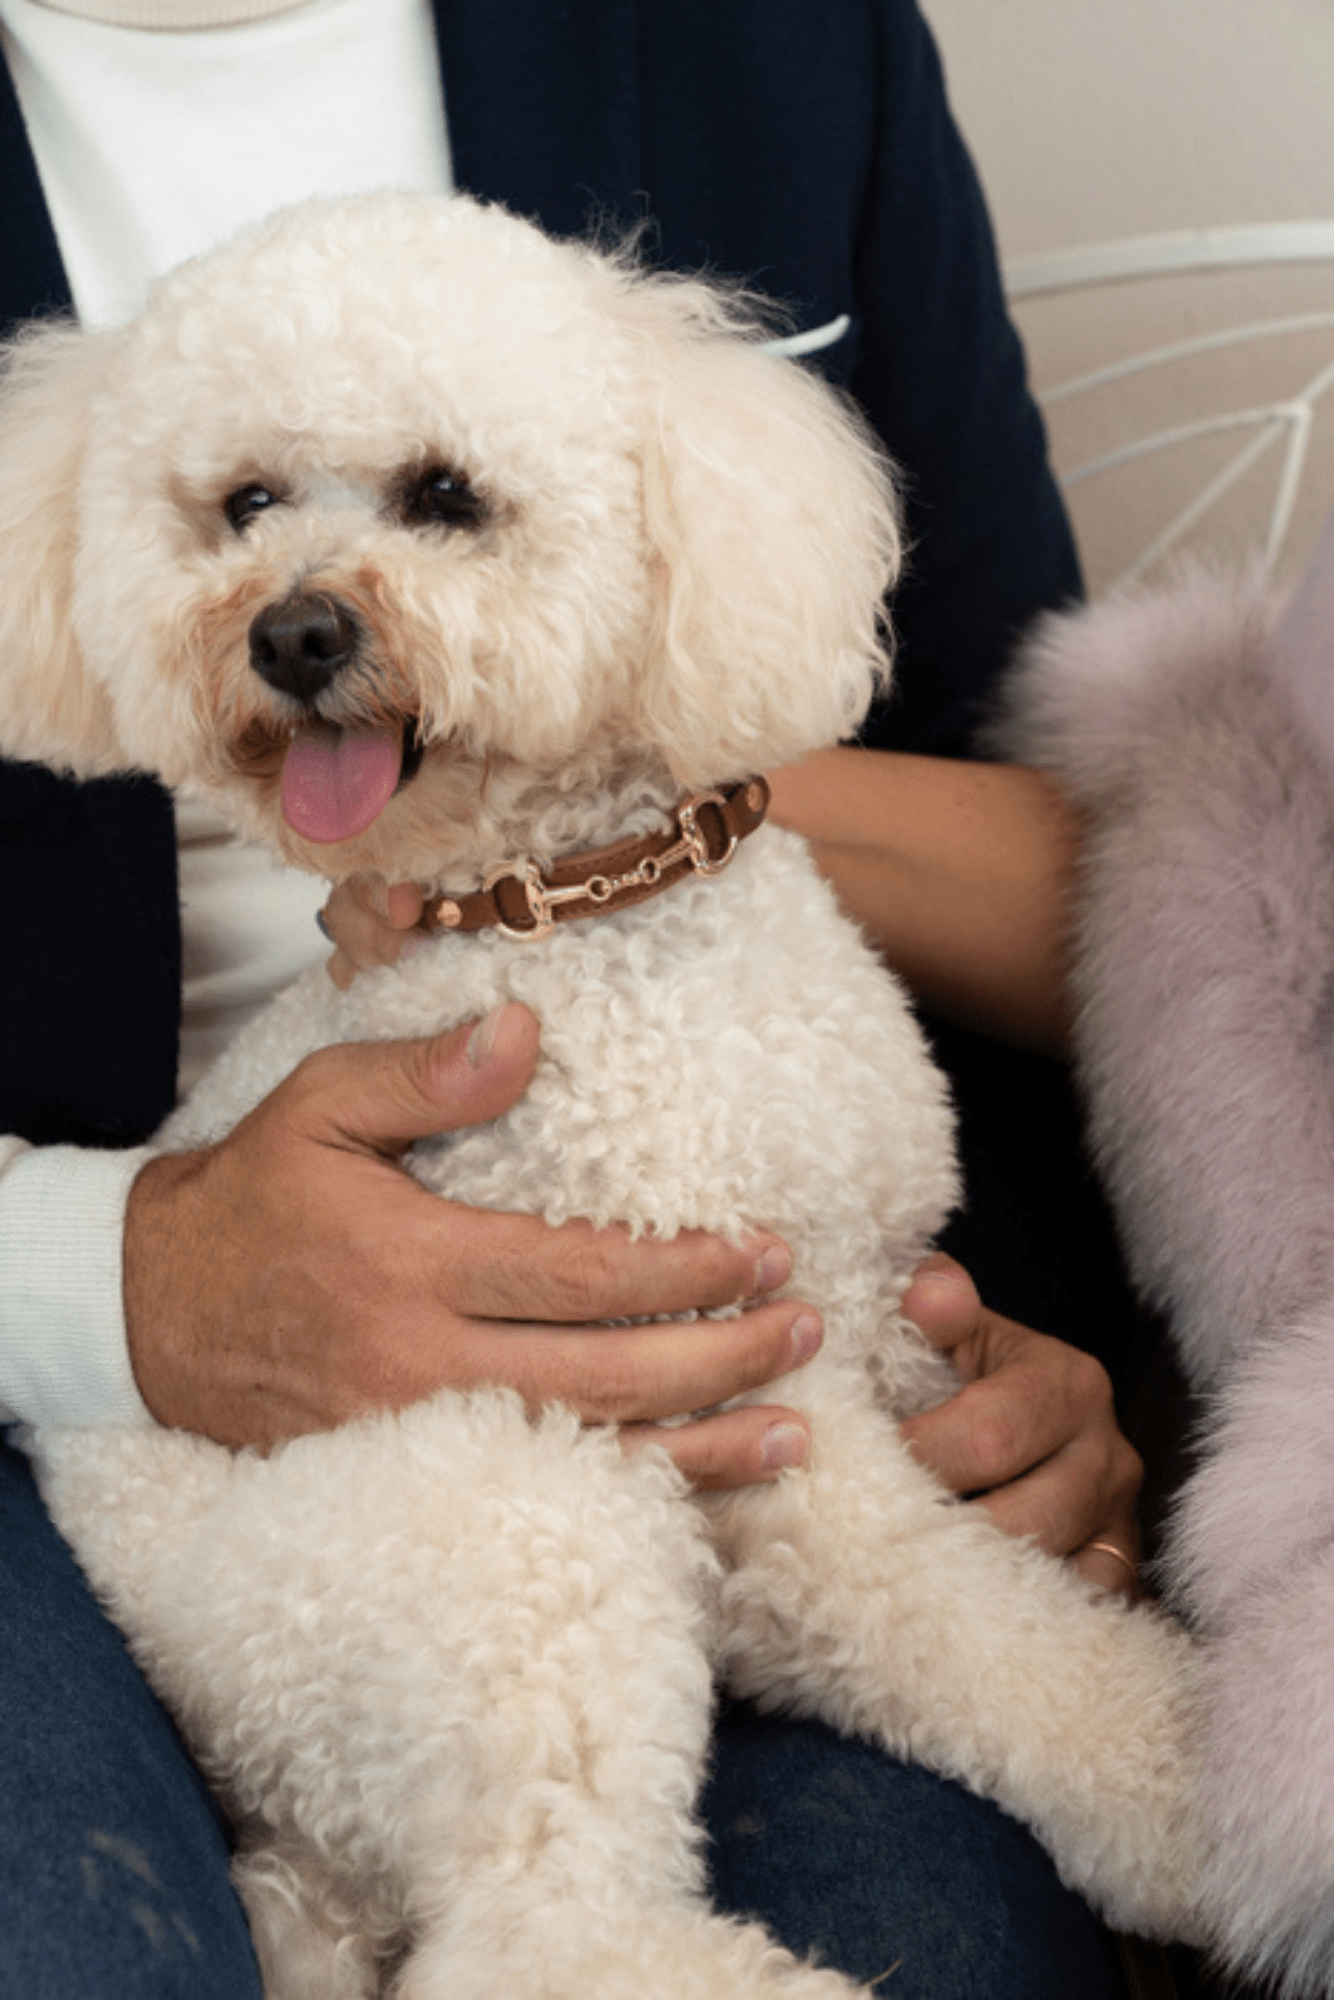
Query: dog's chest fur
x=729, y=1055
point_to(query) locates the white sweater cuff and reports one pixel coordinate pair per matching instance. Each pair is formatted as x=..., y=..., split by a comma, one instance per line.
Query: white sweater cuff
x=64, y=1358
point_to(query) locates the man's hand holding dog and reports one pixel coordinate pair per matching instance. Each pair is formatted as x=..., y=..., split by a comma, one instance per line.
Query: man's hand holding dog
x=293, y=1275
x=1032, y=1435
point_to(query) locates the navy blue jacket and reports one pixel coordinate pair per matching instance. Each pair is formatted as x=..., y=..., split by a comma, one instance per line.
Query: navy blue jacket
x=803, y=145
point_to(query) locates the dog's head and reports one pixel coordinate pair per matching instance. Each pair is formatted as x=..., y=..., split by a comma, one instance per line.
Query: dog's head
x=394, y=493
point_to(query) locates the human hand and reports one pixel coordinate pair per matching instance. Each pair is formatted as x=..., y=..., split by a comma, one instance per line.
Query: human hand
x=370, y=922
x=294, y=1275
x=1032, y=1435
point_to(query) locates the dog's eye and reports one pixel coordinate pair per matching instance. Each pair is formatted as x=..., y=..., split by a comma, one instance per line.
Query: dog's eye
x=242, y=506
x=444, y=497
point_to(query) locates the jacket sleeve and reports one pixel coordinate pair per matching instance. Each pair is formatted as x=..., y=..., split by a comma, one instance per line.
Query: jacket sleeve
x=810, y=151
x=941, y=373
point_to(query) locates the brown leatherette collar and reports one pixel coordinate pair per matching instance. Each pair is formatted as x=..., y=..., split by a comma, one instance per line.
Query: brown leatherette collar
x=523, y=902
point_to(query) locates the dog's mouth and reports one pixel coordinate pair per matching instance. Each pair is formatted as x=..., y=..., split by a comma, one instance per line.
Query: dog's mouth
x=314, y=648
x=337, y=781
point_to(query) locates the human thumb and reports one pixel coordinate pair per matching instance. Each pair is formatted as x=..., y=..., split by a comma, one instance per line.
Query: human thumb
x=942, y=1303
x=377, y=1097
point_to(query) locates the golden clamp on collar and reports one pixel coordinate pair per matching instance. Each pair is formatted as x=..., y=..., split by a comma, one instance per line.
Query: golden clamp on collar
x=523, y=902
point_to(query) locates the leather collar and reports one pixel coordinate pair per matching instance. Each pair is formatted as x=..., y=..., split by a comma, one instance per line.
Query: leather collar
x=521, y=901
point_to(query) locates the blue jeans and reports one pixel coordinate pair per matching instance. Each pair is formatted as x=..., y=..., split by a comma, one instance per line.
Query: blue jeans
x=113, y=1857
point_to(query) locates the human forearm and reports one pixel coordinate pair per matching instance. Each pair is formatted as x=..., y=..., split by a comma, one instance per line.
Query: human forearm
x=962, y=873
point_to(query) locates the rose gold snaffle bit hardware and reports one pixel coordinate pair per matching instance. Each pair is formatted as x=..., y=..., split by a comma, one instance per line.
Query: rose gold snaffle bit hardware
x=610, y=878
x=544, y=901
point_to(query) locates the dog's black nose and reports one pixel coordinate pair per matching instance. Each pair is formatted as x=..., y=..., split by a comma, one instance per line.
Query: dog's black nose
x=301, y=643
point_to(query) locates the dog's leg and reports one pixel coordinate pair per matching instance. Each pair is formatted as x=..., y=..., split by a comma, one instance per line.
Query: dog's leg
x=309, y=1946
x=652, y=1950
x=458, y=1666
x=863, y=1594
x=579, y=1872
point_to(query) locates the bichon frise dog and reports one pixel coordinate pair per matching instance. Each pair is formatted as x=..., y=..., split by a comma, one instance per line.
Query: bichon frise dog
x=422, y=544
x=1195, y=727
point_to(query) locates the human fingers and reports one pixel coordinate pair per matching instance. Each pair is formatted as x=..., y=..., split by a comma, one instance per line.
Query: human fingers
x=370, y=922
x=282, y=1279
x=323, y=1294
x=341, y=969
x=376, y=1098
x=943, y=1304
x=1025, y=1396
x=1082, y=1493
x=743, y=1447
x=1111, y=1560
x=518, y=1269
x=292, y=1275
x=1042, y=1401
x=1034, y=1427
x=380, y=1097
x=640, y=1373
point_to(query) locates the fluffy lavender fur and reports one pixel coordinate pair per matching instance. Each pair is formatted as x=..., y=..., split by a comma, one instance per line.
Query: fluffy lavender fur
x=1192, y=729
x=451, y=1668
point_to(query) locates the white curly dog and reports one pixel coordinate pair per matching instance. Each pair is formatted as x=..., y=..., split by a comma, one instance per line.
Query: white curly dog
x=420, y=543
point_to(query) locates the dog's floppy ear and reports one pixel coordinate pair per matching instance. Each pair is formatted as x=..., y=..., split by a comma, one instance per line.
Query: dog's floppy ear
x=51, y=710
x=771, y=513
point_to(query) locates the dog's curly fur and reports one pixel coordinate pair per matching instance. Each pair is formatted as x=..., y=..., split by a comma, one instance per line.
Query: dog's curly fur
x=1192, y=725
x=450, y=1669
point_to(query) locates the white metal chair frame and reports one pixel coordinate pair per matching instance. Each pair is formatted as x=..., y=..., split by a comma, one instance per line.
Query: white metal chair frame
x=1286, y=424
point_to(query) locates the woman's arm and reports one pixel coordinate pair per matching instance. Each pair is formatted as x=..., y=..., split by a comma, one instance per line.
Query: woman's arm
x=962, y=873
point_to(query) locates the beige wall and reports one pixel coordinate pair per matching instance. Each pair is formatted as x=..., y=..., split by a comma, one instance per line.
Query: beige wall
x=1119, y=116
x=1094, y=119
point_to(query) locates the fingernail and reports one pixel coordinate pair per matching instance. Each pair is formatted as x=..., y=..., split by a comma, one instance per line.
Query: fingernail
x=939, y=1282
x=783, y=1444
x=377, y=895
x=483, y=1038
x=806, y=1337
x=774, y=1268
x=936, y=1297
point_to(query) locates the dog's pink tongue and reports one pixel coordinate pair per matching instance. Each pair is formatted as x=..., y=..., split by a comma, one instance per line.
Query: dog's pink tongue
x=336, y=781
